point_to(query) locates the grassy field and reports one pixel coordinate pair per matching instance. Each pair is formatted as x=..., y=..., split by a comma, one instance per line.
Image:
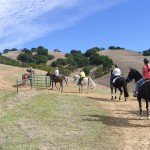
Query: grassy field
x=41, y=119
x=46, y=120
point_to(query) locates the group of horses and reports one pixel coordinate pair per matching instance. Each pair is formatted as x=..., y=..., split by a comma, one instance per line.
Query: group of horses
x=120, y=84
x=143, y=93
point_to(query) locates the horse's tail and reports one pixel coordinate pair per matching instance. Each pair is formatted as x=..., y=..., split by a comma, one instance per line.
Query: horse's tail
x=66, y=80
x=126, y=94
x=90, y=79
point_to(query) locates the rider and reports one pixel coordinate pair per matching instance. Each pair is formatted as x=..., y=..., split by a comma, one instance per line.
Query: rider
x=56, y=73
x=27, y=72
x=146, y=75
x=30, y=72
x=115, y=73
x=82, y=75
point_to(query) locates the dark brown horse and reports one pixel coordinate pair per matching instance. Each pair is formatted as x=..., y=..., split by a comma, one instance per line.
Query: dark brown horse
x=27, y=76
x=56, y=79
x=143, y=92
x=119, y=83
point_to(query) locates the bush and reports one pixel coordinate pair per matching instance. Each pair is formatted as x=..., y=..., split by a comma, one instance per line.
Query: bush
x=86, y=70
x=99, y=72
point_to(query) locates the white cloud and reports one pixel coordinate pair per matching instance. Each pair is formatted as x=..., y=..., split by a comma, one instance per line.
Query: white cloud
x=22, y=21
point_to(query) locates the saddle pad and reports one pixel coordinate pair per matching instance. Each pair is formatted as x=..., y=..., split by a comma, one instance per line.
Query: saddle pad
x=115, y=79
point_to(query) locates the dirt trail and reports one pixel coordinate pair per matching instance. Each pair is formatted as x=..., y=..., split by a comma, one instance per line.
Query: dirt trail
x=122, y=120
x=124, y=123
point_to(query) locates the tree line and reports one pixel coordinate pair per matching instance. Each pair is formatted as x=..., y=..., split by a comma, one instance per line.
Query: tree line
x=38, y=57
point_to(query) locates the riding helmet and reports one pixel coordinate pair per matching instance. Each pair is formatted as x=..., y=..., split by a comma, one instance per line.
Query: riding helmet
x=146, y=60
x=116, y=66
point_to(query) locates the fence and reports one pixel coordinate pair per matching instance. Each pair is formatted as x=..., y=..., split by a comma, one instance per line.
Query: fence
x=40, y=81
x=37, y=81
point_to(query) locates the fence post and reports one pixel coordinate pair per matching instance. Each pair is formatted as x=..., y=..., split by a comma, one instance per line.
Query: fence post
x=62, y=85
x=31, y=82
x=17, y=85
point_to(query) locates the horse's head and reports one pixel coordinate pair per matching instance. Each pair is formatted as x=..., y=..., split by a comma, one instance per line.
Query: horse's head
x=49, y=74
x=76, y=77
x=133, y=74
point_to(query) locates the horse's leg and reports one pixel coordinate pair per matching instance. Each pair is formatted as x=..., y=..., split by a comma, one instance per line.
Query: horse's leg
x=126, y=94
x=120, y=93
x=147, y=109
x=60, y=86
x=52, y=85
x=56, y=86
x=115, y=93
x=79, y=88
x=88, y=86
x=111, y=93
x=140, y=106
x=24, y=83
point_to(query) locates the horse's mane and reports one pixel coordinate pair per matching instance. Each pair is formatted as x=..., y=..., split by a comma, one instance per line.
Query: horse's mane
x=135, y=71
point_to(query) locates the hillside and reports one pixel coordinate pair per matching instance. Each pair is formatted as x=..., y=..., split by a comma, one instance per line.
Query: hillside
x=123, y=58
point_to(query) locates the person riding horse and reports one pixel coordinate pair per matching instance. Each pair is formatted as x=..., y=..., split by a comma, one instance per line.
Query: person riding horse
x=115, y=73
x=56, y=74
x=82, y=75
x=146, y=76
x=118, y=82
x=30, y=71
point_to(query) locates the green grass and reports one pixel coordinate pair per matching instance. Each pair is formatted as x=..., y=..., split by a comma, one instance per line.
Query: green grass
x=52, y=121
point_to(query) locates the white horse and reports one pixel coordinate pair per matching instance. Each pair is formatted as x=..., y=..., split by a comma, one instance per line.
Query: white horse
x=86, y=82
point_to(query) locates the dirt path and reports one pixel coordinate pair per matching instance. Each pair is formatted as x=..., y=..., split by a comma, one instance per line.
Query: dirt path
x=124, y=123
x=128, y=131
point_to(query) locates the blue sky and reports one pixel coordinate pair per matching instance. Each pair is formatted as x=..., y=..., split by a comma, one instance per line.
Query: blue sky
x=74, y=24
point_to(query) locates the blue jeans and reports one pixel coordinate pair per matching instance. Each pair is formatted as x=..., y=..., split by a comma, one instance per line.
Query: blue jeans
x=138, y=83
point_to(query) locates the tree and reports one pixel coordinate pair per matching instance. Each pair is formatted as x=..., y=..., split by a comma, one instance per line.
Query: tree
x=6, y=50
x=40, y=59
x=42, y=51
x=92, y=51
x=146, y=52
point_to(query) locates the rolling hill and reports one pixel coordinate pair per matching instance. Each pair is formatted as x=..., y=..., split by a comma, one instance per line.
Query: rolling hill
x=123, y=58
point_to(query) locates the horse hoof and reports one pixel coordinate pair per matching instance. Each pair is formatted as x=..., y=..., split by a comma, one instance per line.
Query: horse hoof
x=141, y=117
x=148, y=117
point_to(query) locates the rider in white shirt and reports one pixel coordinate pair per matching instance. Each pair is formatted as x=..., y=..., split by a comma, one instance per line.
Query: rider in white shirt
x=56, y=73
x=115, y=73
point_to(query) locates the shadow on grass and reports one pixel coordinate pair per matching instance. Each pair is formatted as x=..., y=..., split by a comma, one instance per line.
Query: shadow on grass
x=105, y=99
x=115, y=121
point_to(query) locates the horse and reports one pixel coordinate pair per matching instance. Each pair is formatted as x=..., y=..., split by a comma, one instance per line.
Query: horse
x=119, y=83
x=86, y=82
x=57, y=79
x=143, y=92
x=27, y=75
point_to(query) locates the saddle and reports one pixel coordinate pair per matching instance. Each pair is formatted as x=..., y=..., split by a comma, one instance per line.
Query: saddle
x=115, y=79
x=147, y=80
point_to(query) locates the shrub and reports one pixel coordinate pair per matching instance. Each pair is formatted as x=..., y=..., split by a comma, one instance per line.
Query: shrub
x=99, y=72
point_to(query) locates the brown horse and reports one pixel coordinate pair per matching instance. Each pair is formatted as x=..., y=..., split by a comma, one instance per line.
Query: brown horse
x=56, y=79
x=27, y=76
